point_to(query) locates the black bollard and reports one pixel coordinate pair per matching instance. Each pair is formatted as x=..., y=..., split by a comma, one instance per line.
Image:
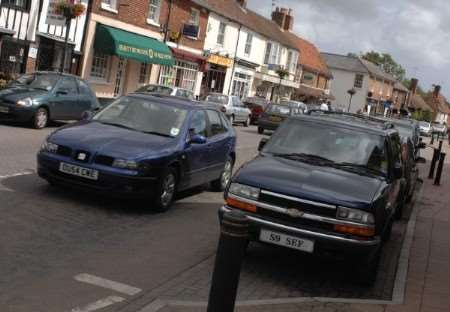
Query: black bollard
x=433, y=163
x=230, y=254
x=440, y=147
x=432, y=138
x=437, y=180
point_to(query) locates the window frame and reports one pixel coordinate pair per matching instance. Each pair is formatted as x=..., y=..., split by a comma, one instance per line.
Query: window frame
x=68, y=79
x=221, y=34
x=197, y=21
x=248, y=44
x=111, y=5
x=25, y=6
x=358, y=83
x=157, y=14
x=106, y=67
x=144, y=75
x=206, y=131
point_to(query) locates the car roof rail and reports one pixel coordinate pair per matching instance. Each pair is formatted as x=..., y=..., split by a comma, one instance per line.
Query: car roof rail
x=385, y=124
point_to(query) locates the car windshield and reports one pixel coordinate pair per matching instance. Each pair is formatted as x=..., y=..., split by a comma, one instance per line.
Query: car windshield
x=38, y=81
x=156, y=89
x=217, y=98
x=279, y=109
x=334, y=146
x=144, y=116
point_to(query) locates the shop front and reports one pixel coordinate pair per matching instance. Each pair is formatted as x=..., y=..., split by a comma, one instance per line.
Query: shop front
x=244, y=72
x=121, y=61
x=215, y=77
x=13, y=55
x=273, y=88
x=186, y=72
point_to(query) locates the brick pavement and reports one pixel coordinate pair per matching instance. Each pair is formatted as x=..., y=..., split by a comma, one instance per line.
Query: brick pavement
x=427, y=283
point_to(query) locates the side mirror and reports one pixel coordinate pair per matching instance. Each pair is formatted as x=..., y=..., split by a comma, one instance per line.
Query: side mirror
x=198, y=139
x=87, y=115
x=398, y=171
x=422, y=145
x=262, y=143
x=421, y=160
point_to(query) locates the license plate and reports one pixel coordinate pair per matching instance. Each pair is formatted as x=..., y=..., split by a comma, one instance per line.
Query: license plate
x=286, y=241
x=78, y=171
x=276, y=119
x=4, y=109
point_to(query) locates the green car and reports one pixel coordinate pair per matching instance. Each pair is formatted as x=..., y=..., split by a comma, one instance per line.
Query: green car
x=40, y=97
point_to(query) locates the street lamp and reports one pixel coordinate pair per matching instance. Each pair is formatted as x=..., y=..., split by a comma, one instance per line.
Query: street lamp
x=70, y=10
x=351, y=92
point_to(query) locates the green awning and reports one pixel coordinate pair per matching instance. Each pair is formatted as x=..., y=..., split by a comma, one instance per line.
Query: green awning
x=110, y=40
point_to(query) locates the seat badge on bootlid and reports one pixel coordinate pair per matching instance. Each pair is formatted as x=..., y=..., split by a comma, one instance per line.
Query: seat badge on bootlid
x=295, y=213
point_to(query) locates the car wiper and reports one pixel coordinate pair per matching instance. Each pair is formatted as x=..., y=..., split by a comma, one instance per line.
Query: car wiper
x=304, y=156
x=158, y=133
x=116, y=125
x=359, y=166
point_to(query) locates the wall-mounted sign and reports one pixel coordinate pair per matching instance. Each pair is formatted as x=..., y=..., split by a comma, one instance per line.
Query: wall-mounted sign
x=32, y=52
x=54, y=18
x=12, y=58
x=220, y=60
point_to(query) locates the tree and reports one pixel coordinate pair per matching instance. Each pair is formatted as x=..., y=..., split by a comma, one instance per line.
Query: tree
x=385, y=61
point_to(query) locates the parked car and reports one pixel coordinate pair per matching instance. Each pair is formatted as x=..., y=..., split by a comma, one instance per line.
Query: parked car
x=43, y=96
x=295, y=104
x=142, y=146
x=332, y=189
x=166, y=90
x=439, y=128
x=231, y=106
x=275, y=114
x=256, y=105
x=425, y=128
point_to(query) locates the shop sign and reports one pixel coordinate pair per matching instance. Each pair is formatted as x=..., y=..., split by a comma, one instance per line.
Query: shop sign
x=54, y=18
x=32, y=52
x=220, y=60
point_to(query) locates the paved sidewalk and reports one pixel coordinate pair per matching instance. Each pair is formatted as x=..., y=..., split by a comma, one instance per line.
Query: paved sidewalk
x=428, y=276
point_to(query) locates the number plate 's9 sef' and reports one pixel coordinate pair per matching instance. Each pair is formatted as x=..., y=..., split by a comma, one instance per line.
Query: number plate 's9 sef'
x=286, y=240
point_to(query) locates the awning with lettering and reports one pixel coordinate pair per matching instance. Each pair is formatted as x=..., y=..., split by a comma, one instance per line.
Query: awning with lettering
x=114, y=41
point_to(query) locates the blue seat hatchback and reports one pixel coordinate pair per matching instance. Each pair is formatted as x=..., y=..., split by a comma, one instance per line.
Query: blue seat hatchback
x=142, y=146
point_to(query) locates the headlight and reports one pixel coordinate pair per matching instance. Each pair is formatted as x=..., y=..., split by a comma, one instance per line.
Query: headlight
x=125, y=164
x=244, y=191
x=355, y=215
x=49, y=147
x=25, y=102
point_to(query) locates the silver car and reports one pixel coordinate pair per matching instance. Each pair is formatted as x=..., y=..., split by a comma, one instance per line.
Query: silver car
x=425, y=128
x=231, y=106
x=167, y=90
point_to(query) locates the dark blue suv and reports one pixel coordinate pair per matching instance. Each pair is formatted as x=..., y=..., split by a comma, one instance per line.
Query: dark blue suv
x=323, y=185
x=143, y=146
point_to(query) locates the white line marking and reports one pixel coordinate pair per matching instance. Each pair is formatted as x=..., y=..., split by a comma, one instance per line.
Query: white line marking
x=16, y=174
x=101, y=282
x=99, y=304
x=154, y=306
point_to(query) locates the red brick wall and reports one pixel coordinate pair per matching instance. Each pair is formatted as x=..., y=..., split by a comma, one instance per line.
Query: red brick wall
x=135, y=12
x=31, y=65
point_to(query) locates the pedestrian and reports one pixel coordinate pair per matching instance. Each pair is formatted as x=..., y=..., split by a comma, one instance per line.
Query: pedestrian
x=324, y=106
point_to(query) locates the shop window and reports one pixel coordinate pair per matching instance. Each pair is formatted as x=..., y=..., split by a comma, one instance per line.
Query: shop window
x=182, y=74
x=99, y=68
x=109, y=5
x=359, y=78
x=241, y=85
x=144, y=74
x=154, y=10
x=221, y=33
x=248, y=44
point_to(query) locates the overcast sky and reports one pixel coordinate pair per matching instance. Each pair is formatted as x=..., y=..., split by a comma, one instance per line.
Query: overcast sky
x=415, y=32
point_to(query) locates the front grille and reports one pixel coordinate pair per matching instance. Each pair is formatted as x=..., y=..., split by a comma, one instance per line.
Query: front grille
x=305, y=207
x=104, y=160
x=82, y=156
x=295, y=222
x=64, y=151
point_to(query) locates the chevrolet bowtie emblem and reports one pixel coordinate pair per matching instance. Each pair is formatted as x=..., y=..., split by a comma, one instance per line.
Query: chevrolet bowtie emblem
x=295, y=213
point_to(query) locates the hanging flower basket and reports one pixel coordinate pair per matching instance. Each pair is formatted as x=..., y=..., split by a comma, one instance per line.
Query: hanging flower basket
x=69, y=9
x=281, y=72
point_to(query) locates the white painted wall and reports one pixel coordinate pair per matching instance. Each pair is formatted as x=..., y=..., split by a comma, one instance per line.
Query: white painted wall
x=344, y=81
x=231, y=36
x=16, y=21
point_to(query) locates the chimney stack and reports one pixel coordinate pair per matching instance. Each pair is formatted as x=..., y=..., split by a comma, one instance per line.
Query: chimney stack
x=283, y=17
x=242, y=3
x=436, y=91
x=413, y=86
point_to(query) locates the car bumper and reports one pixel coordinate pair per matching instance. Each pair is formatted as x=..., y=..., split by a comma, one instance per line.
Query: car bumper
x=113, y=184
x=268, y=125
x=324, y=243
x=14, y=113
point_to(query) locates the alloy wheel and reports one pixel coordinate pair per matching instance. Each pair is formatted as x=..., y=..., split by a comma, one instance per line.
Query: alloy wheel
x=168, y=189
x=41, y=118
x=226, y=174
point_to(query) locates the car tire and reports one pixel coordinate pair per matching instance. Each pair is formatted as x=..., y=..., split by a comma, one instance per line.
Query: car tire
x=399, y=211
x=260, y=130
x=166, y=190
x=367, y=269
x=387, y=232
x=40, y=118
x=247, y=122
x=221, y=183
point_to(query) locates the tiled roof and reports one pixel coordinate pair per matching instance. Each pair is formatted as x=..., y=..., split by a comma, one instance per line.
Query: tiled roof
x=377, y=71
x=310, y=57
x=439, y=102
x=344, y=62
x=249, y=19
x=399, y=86
x=418, y=102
